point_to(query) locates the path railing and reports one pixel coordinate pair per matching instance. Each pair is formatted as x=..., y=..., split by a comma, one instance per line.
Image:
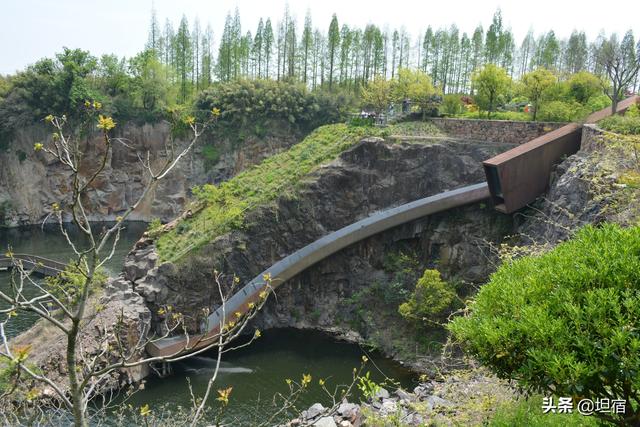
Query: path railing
x=37, y=264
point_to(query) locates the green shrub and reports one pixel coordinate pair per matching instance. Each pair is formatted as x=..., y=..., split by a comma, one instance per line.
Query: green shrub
x=633, y=111
x=154, y=226
x=68, y=285
x=244, y=103
x=529, y=413
x=432, y=298
x=564, y=322
x=598, y=103
x=560, y=111
x=451, y=104
x=626, y=125
x=498, y=115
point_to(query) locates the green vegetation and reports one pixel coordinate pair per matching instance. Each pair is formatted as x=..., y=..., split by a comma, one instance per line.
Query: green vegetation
x=528, y=412
x=564, y=322
x=253, y=104
x=219, y=209
x=223, y=207
x=432, y=298
x=492, y=83
x=68, y=285
x=535, y=86
x=629, y=124
x=621, y=124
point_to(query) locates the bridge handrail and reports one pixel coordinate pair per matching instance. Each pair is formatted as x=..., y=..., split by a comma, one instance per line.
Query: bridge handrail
x=325, y=246
x=35, y=259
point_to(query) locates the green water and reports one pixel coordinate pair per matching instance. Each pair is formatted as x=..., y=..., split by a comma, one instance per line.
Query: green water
x=259, y=371
x=256, y=373
x=49, y=243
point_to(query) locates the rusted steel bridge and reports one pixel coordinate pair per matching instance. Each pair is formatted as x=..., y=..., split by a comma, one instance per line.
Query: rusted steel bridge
x=515, y=178
x=519, y=176
x=33, y=263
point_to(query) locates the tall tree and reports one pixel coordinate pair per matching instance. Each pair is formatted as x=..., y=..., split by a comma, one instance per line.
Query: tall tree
x=258, y=48
x=196, y=49
x=535, y=85
x=493, y=39
x=621, y=63
x=333, y=44
x=491, y=82
x=267, y=42
x=153, y=42
x=207, y=56
x=307, y=45
x=184, y=59
x=576, y=55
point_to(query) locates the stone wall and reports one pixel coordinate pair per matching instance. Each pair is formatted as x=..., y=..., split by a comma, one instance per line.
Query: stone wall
x=504, y=131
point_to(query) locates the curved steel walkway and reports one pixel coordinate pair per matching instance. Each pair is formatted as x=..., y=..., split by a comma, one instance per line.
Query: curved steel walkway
x=37, y=264
x=309, y=255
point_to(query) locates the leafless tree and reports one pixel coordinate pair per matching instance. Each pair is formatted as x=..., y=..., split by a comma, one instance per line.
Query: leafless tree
x=621, y=63
x=69, y=309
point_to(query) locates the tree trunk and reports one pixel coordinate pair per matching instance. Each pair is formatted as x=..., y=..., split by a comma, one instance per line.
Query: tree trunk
x=79, y=419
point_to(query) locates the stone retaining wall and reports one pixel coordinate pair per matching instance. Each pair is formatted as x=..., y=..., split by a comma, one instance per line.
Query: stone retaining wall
x=504, y=131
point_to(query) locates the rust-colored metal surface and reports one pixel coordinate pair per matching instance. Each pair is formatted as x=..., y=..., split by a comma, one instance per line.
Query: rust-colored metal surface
x=518, y=176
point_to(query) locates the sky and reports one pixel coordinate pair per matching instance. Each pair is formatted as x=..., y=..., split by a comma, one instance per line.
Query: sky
x=32, y=29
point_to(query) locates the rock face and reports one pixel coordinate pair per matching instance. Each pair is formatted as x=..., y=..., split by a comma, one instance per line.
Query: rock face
x=31, y=182
x=124, y=308
x=584, y=189
x=371, y=176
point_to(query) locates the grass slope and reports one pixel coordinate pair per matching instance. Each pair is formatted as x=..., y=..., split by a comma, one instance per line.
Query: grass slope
x=220, y=209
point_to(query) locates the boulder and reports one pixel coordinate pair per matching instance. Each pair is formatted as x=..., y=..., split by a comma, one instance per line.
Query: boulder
x=315, y=410
x=325, y=422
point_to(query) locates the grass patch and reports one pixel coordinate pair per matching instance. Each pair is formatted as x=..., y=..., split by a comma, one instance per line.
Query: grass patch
x=220, y=209
x=528, y=412
x=625, y=125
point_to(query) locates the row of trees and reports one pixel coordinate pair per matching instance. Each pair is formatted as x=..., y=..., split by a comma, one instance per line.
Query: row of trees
x=348, y=57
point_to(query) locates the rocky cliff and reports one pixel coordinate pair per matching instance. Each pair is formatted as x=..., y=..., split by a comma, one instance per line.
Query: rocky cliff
x=31, y=182
x=373, y=175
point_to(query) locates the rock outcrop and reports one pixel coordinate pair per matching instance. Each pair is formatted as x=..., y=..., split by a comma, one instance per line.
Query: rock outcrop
x=31, y=182
x=371, y=176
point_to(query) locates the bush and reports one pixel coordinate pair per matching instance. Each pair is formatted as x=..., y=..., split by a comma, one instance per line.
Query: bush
x=451, y=104
x=598, y=103
x=626, y=125
x=565, y=321
x=560, y=111
x=528, y=412
x=249, y=104
x=633, y=111
x=432, y=298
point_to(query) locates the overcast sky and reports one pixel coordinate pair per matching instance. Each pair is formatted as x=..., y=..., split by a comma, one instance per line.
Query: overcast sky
x=32, y=29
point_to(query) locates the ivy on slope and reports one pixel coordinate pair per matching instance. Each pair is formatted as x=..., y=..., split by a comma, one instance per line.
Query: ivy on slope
x=220, y=209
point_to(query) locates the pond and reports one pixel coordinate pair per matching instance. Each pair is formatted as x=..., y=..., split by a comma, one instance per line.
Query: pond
x=256, y=372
